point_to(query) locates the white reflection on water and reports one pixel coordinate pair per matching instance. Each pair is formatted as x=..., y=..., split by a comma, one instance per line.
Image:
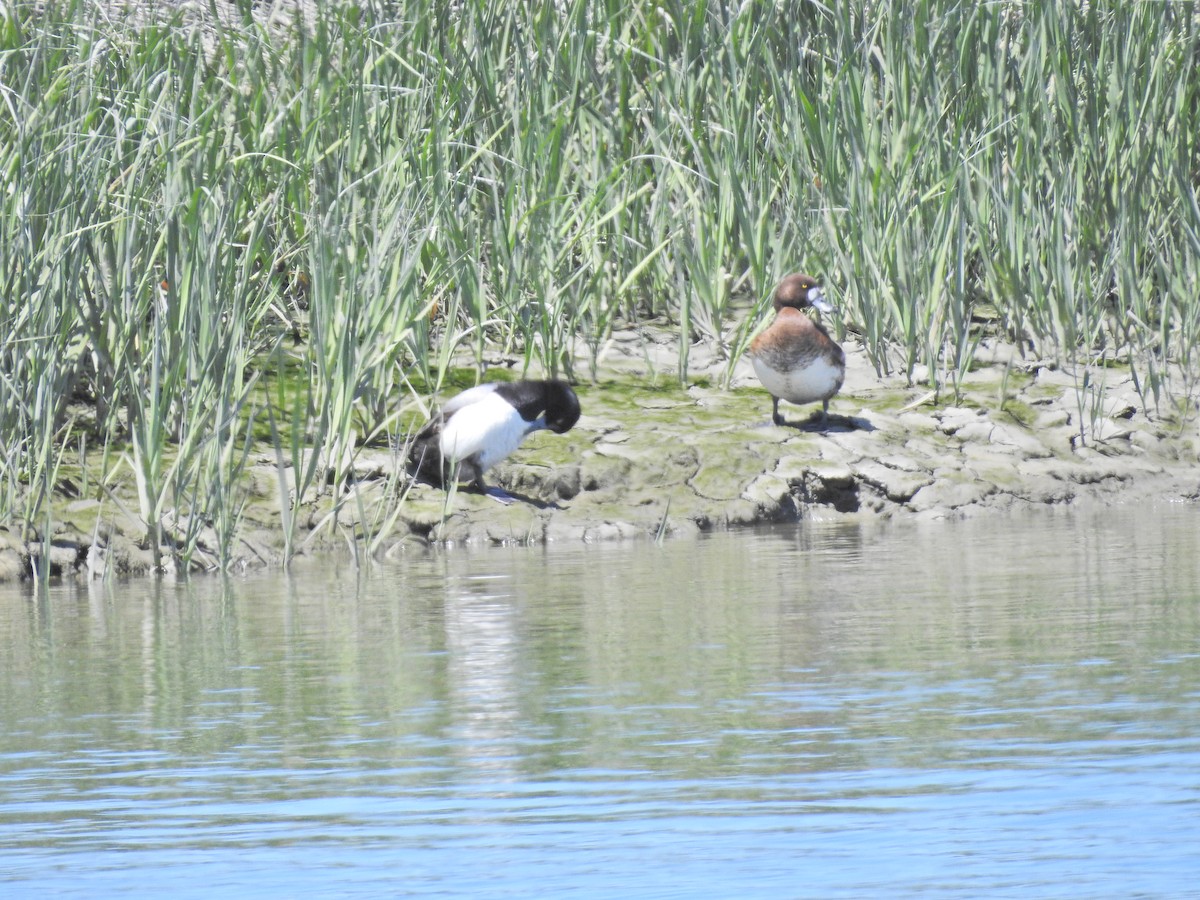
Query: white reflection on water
x=481, y=642
x=999, y=707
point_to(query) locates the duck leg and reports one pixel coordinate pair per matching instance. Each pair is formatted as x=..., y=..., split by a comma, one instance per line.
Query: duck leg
x=775, y=416
x=501, y=496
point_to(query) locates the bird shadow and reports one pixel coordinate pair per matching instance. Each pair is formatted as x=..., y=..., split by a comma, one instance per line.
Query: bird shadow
x=507, y=497
x=503, y=496
x=817, y=424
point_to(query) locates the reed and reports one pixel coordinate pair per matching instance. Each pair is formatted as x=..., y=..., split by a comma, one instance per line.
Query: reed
x=345, y=206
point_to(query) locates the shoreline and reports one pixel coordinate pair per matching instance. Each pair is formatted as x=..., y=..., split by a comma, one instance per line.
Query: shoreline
x=650, y=459
x=252, y=236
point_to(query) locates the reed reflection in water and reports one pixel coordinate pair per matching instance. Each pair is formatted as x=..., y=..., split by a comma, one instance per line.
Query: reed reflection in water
x=1002, y=706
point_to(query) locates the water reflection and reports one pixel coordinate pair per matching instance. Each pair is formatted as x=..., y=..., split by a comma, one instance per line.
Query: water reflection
x=828, y=710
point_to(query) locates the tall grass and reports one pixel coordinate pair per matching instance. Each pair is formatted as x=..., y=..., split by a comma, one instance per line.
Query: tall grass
x=343, y=207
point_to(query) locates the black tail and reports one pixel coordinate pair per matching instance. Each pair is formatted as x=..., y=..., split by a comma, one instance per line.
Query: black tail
x=425, y=455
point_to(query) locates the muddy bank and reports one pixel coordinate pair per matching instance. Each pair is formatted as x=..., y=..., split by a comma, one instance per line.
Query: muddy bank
x=650, y=458
x=643, y=461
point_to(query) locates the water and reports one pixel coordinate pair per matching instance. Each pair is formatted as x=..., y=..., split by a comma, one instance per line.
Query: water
x=999, y=707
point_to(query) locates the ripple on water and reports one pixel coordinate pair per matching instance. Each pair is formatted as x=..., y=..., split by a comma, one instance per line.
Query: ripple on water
x=999, y=707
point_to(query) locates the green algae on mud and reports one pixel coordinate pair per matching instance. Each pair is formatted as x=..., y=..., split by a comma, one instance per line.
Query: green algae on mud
x=650, y=458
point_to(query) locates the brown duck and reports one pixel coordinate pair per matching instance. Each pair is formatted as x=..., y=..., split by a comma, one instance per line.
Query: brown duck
x=795, y=358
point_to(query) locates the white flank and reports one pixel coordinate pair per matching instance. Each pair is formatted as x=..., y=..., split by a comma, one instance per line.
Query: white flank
x=487, y=429
x=816, y=381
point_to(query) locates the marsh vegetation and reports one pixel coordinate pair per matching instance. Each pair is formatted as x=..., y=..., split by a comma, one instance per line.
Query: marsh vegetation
x=222, y=236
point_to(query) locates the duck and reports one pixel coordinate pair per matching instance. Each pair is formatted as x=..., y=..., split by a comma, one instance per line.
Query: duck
x=795, y=358
x=483, y=425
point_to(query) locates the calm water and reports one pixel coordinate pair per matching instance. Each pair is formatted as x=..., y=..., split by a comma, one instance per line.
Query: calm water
x=999, y=707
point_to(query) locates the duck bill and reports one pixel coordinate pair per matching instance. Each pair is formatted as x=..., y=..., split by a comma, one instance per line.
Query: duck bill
x=816, y=297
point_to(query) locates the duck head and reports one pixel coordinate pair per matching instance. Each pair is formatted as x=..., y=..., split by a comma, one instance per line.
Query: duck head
x=800, y=291
x=561, y=410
